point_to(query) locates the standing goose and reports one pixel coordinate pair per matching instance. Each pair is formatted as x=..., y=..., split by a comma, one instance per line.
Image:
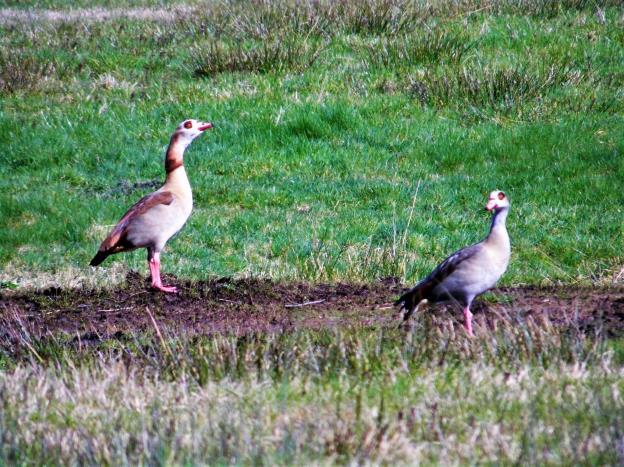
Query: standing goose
x=155, y=218
x=469, y=271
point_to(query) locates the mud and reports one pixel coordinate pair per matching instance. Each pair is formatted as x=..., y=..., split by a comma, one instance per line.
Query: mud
x=241, y=306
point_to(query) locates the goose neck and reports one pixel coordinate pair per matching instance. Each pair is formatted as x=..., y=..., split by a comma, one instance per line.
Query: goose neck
x=498, y=222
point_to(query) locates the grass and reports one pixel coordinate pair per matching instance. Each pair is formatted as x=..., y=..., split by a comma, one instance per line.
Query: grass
x=327, y=118
x=353, y=140
x=269, y=55
x=526, y=392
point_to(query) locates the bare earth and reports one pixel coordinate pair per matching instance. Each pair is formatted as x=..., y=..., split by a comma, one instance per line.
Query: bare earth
x=241, y=306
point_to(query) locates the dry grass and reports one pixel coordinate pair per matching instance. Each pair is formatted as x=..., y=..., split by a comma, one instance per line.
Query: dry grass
x=524, y=393
x=15, y=17
x=15, y=275
x=23, y=71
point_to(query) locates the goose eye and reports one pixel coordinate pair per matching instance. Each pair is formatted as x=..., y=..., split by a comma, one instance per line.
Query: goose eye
x=501, y=195
x=188, y=124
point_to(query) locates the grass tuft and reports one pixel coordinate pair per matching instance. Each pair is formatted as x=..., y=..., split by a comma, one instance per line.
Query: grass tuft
x=428, y=47
x=486, y=86
x=23, y=71
x=270, y=55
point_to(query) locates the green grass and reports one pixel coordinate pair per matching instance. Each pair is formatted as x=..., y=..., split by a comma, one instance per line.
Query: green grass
x=331, y=123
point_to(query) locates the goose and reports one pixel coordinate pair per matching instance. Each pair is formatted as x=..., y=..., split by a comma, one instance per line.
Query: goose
x=155, y=218
x=468, y=272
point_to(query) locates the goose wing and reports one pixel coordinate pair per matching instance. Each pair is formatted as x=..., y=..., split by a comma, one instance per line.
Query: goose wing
x=116, y=240
x=421, y=291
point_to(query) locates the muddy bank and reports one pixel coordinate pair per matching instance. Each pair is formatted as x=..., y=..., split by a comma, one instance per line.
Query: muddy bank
x=241, y=306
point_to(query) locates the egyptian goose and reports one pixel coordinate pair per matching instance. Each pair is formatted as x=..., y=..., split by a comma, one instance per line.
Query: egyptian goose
x=155, y=218
x=469, y=271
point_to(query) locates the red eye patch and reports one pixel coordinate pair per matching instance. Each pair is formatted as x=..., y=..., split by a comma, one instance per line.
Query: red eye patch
x=188, y=124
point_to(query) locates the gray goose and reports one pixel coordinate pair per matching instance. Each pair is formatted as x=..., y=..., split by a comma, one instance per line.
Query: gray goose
x=469, y=271
x=155, y=218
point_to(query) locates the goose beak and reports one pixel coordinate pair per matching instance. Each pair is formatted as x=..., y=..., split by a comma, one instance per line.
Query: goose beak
x=205, y=126
x=491, y=205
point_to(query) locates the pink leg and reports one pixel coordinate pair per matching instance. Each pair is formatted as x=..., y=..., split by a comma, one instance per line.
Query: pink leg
x=154, y=265
x=468, y=321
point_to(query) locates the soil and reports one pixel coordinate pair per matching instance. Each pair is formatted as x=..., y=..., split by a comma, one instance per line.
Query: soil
x=251, y=305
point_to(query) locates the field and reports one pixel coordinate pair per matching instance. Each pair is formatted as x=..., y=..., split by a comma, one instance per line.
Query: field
x=354, y=145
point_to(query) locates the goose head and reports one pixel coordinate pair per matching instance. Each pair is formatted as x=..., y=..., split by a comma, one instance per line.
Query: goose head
x=190, y=129
x=497, y=201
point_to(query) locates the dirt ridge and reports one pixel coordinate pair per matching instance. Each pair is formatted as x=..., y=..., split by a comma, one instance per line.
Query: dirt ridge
x=250, y=305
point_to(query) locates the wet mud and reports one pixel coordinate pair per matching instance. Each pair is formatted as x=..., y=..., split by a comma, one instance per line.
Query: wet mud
x=253, y=305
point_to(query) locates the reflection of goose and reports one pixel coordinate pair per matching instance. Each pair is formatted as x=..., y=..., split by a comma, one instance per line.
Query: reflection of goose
x=469, y=271
x=155, y=218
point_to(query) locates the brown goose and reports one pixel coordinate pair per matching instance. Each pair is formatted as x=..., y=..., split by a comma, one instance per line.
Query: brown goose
x=469, y=271
x=155, y=218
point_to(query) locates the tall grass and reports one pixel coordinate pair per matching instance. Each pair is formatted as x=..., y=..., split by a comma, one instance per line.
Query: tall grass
x=21, y=71
x=525, y=392
x=270, y=55
x=408, y=50
x=481, y=86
